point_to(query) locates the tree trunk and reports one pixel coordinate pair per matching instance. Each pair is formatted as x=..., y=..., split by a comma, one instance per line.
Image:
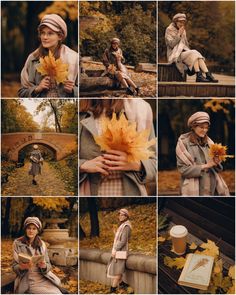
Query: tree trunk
x=5, y=224
x=93, y=213
x=57, y=123
x=82, y=234
x=96, y=83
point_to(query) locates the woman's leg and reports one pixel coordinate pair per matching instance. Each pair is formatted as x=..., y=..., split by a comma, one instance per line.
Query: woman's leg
x=116, y=281
x=202, y=65
x=204, y=68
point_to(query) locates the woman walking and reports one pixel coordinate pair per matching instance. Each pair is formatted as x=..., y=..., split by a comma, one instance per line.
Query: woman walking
x=36, y=161
x=113, y=61
x=199, y=172
x=110, y=173
x=119, y=254
x=52, y=32
x=31, y=278
x=178, y=51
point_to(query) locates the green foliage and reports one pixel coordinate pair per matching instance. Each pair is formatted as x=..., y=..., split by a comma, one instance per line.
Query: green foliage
x=134, y=23
x=210, y=28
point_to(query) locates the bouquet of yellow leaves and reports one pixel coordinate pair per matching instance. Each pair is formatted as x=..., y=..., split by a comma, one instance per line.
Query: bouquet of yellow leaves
x=219, y=150
x=55, y=68
x=120, y=134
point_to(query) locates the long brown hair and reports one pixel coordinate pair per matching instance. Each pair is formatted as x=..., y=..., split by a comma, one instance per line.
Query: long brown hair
x=42, y=52
x=98, y=106
x=37, y=243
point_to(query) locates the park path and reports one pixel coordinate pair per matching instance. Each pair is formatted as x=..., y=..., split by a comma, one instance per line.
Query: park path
x=49, y=184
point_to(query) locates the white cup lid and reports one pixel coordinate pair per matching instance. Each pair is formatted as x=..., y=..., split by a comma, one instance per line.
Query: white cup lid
x=178, y=231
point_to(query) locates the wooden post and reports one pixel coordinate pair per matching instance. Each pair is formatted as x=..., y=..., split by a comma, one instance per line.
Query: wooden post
x=169, y=72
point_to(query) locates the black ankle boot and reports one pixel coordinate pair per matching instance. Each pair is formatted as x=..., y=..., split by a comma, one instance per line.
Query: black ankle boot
x=123, y=285
x=137, y=89
x=211, y=78
x=113, y=290
x=200, y=77
x=34, y=182
x=129, y=91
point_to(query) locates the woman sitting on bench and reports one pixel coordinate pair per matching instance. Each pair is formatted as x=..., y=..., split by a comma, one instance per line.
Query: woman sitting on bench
x=113, y=61
x=178, y=51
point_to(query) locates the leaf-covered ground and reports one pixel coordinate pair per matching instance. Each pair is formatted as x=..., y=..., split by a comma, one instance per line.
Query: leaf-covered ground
x=146, y=81
x=67, y=275
x=143, y=235
x=89, y=287
x=10, y=88
x=169, y=181
x=49, y=183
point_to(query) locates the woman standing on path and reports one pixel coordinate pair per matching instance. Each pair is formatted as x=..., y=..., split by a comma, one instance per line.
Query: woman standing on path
x=199, y=173
x=52, y=32
x=116, y=265
x=110, y=173
x=179, y=52
x=113, y=56
x=36, y=160
x=31, y=278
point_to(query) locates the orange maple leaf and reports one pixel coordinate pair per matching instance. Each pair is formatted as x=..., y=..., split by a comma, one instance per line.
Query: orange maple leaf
x=55, y=68
x=120, y=134
x=219, y=150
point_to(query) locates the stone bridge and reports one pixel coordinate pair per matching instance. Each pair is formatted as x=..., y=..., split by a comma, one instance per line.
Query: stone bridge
x=141, y=272
x=62, y=144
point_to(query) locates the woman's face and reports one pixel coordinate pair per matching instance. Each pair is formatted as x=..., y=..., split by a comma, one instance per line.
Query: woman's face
x=114, y=45
x=49, y=38
x=31, y=231
x=180, y=24
x=201, y=129
x=122, y=217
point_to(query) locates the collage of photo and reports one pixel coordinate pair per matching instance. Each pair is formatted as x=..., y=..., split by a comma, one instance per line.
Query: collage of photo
x=117, y=147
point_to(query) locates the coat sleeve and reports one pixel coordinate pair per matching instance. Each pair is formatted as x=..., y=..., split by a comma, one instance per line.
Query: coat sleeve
x=124, y=238
x=188, y=171
x=172, y=38
x=15, y=263
x=149, y=167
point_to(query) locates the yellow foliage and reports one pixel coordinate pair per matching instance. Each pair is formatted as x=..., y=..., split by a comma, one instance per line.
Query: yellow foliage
x=120, y=134
x=193, y=246
x=51, y=203
x=178, y=262
x=216, y=104
x=63, y=8
x=219, y=150
x=210, y=249
x=218, y=267
x=55, y=68
x=231, y=272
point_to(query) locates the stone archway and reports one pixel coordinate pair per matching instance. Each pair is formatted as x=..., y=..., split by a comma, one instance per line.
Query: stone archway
x=24, y=152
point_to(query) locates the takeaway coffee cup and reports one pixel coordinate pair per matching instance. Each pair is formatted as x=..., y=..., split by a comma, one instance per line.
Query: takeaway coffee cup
x=178, y=235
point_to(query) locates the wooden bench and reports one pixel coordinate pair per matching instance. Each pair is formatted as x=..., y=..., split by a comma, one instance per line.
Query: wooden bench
x=205, y=218
x=169, y=73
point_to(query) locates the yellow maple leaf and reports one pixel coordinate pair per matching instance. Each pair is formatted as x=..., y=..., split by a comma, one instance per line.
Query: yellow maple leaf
x=210, y=249
x=178, y=262
x=219, y=150
x=231, y=272
x=120, y=134
x=161, y=239
x=231, y=290
x=193, y=246
x=218, y=267
x=55, y=68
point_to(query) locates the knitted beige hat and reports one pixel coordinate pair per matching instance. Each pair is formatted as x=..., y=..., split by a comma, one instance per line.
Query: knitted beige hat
x=33, y=220
x=179, y=16
x=124, y=212
x=54, y=22
x=198, y=118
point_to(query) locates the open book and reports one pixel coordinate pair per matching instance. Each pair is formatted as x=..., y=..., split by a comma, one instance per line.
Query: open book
x=25, y=258
x=197, y=271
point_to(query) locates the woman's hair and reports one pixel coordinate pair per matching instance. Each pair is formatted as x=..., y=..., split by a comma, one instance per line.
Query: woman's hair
x=194, y=138
x=97, y=106
x=42, y=52
x=37, y=243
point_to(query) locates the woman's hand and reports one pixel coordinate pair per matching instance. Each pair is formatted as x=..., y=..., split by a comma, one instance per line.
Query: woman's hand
x=95, y=165
x=113, y=253
x=69, y=86
x=42, y=264
x=24, y=266
x=217, y=160
x=43, y=85
x=118, y=161
x=209, y=164
x=181, y=30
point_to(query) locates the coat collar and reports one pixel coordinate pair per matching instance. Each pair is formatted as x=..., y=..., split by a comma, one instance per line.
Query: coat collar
x=89, y=124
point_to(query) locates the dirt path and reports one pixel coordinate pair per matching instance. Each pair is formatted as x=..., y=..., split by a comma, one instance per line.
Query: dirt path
x=49, y=184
